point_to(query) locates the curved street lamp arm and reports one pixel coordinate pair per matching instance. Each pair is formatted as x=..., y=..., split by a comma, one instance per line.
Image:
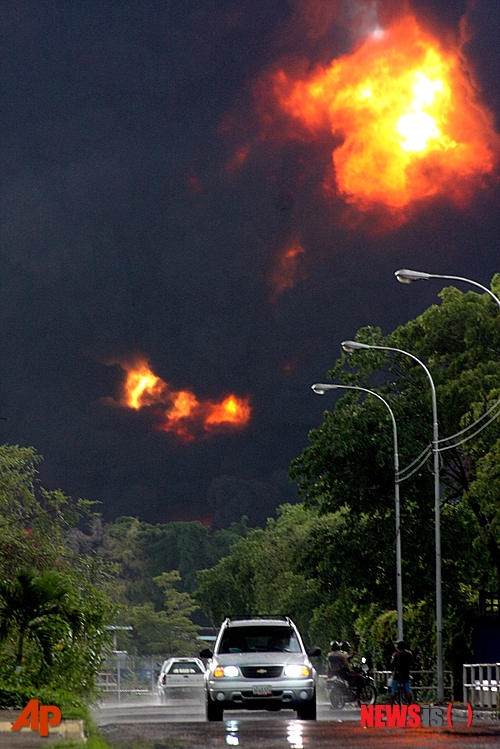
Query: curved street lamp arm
x=352, y=346
x=468, y=280
x=408, y=276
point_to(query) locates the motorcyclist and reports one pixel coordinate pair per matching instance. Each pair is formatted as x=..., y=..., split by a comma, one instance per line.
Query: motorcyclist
x=345, y=648
x=338, y=662
x=402, y=662
x=338, y=665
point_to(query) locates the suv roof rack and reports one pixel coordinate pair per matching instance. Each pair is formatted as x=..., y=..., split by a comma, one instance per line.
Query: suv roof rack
x=257, y=616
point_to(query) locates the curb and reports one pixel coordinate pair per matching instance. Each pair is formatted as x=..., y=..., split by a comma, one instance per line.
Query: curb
x=67, y=729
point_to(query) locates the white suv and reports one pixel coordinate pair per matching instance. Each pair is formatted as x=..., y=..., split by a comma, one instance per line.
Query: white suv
x=260, y=664
x=180, y=677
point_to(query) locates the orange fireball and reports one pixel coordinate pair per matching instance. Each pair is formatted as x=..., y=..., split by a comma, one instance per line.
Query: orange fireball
x=142, y=387
x=232, y=410
x=180, y=412
x=409, y=121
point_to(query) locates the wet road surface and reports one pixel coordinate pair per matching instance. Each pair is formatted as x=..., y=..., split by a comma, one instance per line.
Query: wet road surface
x=192, y=711
x=183, y=726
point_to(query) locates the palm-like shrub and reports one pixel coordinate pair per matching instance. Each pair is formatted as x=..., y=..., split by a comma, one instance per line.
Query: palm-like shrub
x=30, y=604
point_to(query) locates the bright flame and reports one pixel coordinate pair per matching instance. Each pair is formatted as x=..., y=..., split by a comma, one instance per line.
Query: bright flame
x=232, y=410
x=183, y=405
x=409, y=118
x=142, y=387
x=417, y=127
x=180, y=411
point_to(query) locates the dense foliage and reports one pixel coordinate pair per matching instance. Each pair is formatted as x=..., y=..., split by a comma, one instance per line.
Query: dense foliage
x=65, y=578
x=154, y=572
x=168, y=630
x=330, y=562
x=52, y=612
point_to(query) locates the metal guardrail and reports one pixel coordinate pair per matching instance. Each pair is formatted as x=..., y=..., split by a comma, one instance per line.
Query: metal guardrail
x=423, y=683
x=481, y=682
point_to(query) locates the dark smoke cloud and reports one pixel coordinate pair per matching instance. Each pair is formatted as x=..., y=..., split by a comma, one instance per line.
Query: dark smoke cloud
x=123, y=232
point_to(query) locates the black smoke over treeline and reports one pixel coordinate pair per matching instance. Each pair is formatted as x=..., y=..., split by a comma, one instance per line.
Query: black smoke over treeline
x=123, y=231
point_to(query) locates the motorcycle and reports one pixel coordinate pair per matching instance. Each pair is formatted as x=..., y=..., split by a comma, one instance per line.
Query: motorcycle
x=341, y=691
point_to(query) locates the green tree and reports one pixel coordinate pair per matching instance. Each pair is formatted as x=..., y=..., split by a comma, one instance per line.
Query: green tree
x=262, y=574
x=27, y=602
x=52, y=608
x=178, y=607
x=169, y=631
x=349, y=464
x=330, y=562
x=34, y=522
x=141, y=551
x=227, y=589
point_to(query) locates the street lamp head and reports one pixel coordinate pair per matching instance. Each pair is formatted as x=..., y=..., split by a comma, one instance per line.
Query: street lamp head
x=320, y=388
x=351, y=346
x=407, y=276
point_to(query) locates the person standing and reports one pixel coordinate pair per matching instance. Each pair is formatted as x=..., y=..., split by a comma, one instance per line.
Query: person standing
x=402, y=662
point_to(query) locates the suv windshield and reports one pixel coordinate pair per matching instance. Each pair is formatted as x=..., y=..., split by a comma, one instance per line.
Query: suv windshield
x=260, y=639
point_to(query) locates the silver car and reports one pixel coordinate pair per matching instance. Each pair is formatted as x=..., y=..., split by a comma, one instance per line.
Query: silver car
x=260, y=664
x=181, y=677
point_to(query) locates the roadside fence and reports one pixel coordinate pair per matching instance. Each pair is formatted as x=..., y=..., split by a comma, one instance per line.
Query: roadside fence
x=125, y=676
x=480, y=684
x=423, y=684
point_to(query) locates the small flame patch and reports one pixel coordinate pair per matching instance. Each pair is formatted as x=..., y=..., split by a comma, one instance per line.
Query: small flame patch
x=180, y=412
x=285, y=273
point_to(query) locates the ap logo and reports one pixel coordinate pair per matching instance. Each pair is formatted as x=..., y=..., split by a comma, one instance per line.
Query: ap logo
x=38, y=718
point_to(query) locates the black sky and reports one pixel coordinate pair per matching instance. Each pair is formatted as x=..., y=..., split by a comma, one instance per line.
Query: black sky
x=122, y=231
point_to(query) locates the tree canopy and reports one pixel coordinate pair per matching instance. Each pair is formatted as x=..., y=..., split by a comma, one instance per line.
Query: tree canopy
x=52, y=609
x=341, y=540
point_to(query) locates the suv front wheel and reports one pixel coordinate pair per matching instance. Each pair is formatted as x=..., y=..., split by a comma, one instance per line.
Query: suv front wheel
x=214, y=711
x=307, y=711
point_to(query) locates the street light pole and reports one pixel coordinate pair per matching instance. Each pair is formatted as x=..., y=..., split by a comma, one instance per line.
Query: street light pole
x=320, y=389
x=350, y=347
x=408, y=276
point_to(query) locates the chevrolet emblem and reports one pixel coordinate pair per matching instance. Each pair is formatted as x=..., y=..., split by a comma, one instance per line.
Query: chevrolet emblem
x=262, y=670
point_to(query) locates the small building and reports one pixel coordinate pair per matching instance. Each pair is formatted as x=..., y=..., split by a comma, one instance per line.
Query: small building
x=486, y=634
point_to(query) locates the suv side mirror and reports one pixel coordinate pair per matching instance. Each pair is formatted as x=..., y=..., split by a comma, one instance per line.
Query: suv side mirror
x=206, y=653
x=313, y=652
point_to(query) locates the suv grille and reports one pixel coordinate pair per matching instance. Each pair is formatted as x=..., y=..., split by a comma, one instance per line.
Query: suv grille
x=261, y=672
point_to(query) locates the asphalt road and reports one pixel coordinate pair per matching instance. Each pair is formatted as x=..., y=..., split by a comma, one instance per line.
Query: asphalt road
x=182, y=725
x=192, y=711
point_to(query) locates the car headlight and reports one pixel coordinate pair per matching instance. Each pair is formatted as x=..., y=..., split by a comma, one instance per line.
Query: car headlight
x=295, y=671
x=221, y=671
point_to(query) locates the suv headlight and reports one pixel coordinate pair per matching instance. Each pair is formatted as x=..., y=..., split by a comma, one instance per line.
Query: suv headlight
x=229, y=671
x=296, y=671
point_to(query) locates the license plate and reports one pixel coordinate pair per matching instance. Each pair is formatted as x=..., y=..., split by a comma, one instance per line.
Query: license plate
x=262, y=691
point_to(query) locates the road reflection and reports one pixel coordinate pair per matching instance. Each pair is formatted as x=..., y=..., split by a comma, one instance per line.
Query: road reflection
x=228, y=733
x=176, y=727
x=294, y=734
x=232, y=738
